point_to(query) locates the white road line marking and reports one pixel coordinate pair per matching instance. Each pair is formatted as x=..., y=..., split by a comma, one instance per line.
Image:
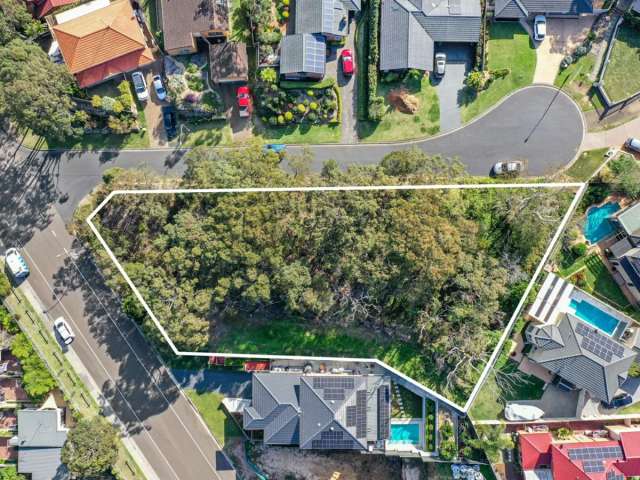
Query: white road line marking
x=53, y=233
x=59, y=301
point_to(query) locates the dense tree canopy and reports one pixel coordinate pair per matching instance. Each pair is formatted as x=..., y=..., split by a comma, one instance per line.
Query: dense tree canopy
x=91, y=448
x=17, y=22
x=431, y=267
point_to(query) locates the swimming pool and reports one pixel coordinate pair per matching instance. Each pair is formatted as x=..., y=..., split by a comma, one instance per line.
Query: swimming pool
x=406, y=433
x=594, y=316
x=598, y=225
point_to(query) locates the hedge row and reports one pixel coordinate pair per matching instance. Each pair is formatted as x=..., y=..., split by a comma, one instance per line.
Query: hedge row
x=373, y=109
x=295, y=85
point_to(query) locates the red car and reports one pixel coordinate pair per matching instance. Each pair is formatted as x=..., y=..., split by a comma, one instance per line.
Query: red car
x=243, y=95
x=348, y=66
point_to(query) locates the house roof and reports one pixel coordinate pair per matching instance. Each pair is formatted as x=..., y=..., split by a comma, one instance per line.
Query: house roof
x=303, y=53
x=48, y=5
x=352, y=5
x=576, y=361
x=525, y=8
x=629, y=219
x=40, y=440
x=102, y=42
x=327, y=17
x=182, y=18
x=534, y=449
x=409, y=29
x=229, y=62
x=319, y=411
x=631, y=444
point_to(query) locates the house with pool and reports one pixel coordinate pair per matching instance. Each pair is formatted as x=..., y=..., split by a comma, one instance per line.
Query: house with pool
x=582, y=342
x=624, y=255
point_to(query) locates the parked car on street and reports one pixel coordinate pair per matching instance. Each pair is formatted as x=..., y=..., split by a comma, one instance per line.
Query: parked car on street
x=348, y=65
x=161, y=92
x=441, y=63
x=633, y=144
x=243, y=94
x=140, y=86
x=64, y=331
x=17, y=266
x=618, y=402
x=169, y=121
x=539, y=28
x=278, y=148
x=507, y=168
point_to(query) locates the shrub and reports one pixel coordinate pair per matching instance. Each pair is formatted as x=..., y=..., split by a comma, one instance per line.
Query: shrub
x=312, y=117
x=272, y=36
x=285, y=14
x=288, y=116
x=285, y=2
x=581, y=51
x=563, y=433
x=475, y=80
x=301, y=108
x=591, y=36
x=390, y=77
x=311, y=93
x=195, y=83
x=268, y=75
x=108, y=103
x=377, y=108
x=192, y=68
x=96, y=101
x=280, y=119
x=313, y=106
x=566, y=61
x=414, y=74
x=36, y=379
x=579, y=249
x=634, y=370
x=372, y=58
x=117, y=106
x=273, y=121
x=499, y=73
x=5, y=286
x=580, y=279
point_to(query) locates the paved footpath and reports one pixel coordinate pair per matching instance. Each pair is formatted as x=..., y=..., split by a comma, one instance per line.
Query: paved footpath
x=614, y=137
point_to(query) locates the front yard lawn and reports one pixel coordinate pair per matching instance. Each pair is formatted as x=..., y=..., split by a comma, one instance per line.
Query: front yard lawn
x=299, y=133
x=575, y=81
x=621, y=78
x=586, y=164
x=209, y=404
x=396, y=125
x=509, y=46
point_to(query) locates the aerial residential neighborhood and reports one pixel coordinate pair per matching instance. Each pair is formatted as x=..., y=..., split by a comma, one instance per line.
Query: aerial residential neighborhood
x=320, y=239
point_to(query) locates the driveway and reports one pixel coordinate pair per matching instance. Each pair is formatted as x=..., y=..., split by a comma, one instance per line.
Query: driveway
x=348, y=87
x=228, y=383
x=564, y=35
x=449, y=87
x=153, y=110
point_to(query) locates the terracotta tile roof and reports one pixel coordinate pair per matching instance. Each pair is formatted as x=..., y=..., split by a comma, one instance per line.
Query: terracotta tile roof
x=103, y=37
x=48, y=5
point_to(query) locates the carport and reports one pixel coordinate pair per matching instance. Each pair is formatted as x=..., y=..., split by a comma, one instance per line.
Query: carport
x=451, y=86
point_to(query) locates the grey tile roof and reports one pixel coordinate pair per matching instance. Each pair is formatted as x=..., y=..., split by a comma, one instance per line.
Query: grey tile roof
x=42, y=463
x=525, y=8
x=326, y=17
x=303, y=53
x=571, y=361
x=40, y=441
x=629, y=219
x=352, y=5
x=182, y=18
x=314, y=413
x=409, y=30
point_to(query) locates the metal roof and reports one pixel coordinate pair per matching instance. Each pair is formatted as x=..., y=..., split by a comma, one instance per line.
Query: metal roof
x=303, y=53
x=629, y=219
x=327, y=17
x=525, y=8
x=40, y=440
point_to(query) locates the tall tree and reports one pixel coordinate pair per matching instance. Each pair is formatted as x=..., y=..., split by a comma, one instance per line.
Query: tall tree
x=16, y=21
x=91, y=448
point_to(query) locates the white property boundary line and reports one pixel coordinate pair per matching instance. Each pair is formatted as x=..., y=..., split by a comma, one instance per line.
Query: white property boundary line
x=580, y=186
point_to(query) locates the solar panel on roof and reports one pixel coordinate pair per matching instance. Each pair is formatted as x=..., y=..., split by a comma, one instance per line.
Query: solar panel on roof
x=333, y=382
x=383, y=412
x=611, y=475
x=361, y=413
x=593, y=466
x=598, y=344
x=351, y=416
x=596, y=453
x=333, y=440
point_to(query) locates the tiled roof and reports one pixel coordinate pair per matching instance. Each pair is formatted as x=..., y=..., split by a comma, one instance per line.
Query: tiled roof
x=534, y=449
x=229, y=62
x=48, y=5
x=183, y=18
x=524, y=8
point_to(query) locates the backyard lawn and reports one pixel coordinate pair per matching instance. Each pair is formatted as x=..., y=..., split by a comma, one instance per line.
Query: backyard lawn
x=575, y=81
x=586, y=164
x=209, y=404
x=621, y=78
x=509, y=46
x=396, y=125
x=411, y=403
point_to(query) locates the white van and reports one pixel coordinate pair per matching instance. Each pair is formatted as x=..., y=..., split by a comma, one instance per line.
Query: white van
x=16, y=264
x=632, y=144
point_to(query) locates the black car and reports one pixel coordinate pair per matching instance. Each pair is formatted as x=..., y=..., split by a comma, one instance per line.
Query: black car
x=618, y=402
x=169, y=120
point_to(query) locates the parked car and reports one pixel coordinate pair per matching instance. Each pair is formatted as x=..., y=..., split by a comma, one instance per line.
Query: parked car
x=507, y=168
x=633, y=144
x=441, y=63
x=161, y=92
x=621, y=400
x=539, y=28
x=140, y=86
x=64, y=331
x=16, y=264
x=243, y=94
x=169, y=121
x=348, y=65
x=278, y=148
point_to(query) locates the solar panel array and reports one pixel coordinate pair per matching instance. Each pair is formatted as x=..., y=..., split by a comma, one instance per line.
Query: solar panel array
x=332, y=440
x=351, y=416
x=611, y=475
x=593, y=466
x=333, y=394
x=596, y=343
x=333, y=382
x=596, y=453
x=361, y=413
x=383, y=412
x=315, y=53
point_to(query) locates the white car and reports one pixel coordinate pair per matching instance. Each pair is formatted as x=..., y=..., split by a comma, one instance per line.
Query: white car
x=64, y=331
x=507, y=168
x=441, y=63
x=161, y=92
x=16, y=264
x=140, y=86
x=539, y=28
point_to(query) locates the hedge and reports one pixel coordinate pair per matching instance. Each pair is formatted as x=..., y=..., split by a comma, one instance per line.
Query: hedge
x=374, y=51
x=294, y=85
x=338, y=119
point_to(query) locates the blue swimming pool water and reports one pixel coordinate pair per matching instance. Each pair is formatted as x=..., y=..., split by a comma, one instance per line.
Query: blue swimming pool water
x=594, y=316
x=405, y=433
x=598, y=225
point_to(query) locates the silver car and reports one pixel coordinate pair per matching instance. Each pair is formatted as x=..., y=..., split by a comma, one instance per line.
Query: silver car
x=441, y=63
x=140, y=86
x=507, y=168
x=64, y=331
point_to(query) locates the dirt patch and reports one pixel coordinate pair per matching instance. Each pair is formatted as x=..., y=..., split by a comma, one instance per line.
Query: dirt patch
x=403, y=101
x=282, y=463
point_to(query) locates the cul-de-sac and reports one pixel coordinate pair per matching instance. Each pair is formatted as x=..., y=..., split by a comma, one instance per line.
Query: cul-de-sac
x=320, y=239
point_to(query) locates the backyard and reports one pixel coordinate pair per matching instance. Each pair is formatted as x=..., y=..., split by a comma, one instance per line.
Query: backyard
x=509, y=46
x=396, y=125
x=621, y=79
x=575, y=81
x=586, y=164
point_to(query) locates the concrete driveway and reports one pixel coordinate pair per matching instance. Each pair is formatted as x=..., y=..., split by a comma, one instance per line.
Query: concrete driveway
x=449, y=87
x=564, y=35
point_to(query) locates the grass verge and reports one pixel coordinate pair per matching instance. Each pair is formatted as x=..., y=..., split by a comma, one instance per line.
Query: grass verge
x=574, y=80
x=621, y=78
x=509, y=46
x=209, y=134
x=586, y=164
x=303, y=133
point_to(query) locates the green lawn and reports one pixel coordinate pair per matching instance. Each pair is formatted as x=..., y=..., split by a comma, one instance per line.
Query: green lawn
x=303, y=133
x=621, y=78
x=575, y=81
x=509, y=46
x=396, y=125
x=586, y=164
x=209, y=404
x=635, y=408
x=209, y=134
x=598, y=281
x=411, y=403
